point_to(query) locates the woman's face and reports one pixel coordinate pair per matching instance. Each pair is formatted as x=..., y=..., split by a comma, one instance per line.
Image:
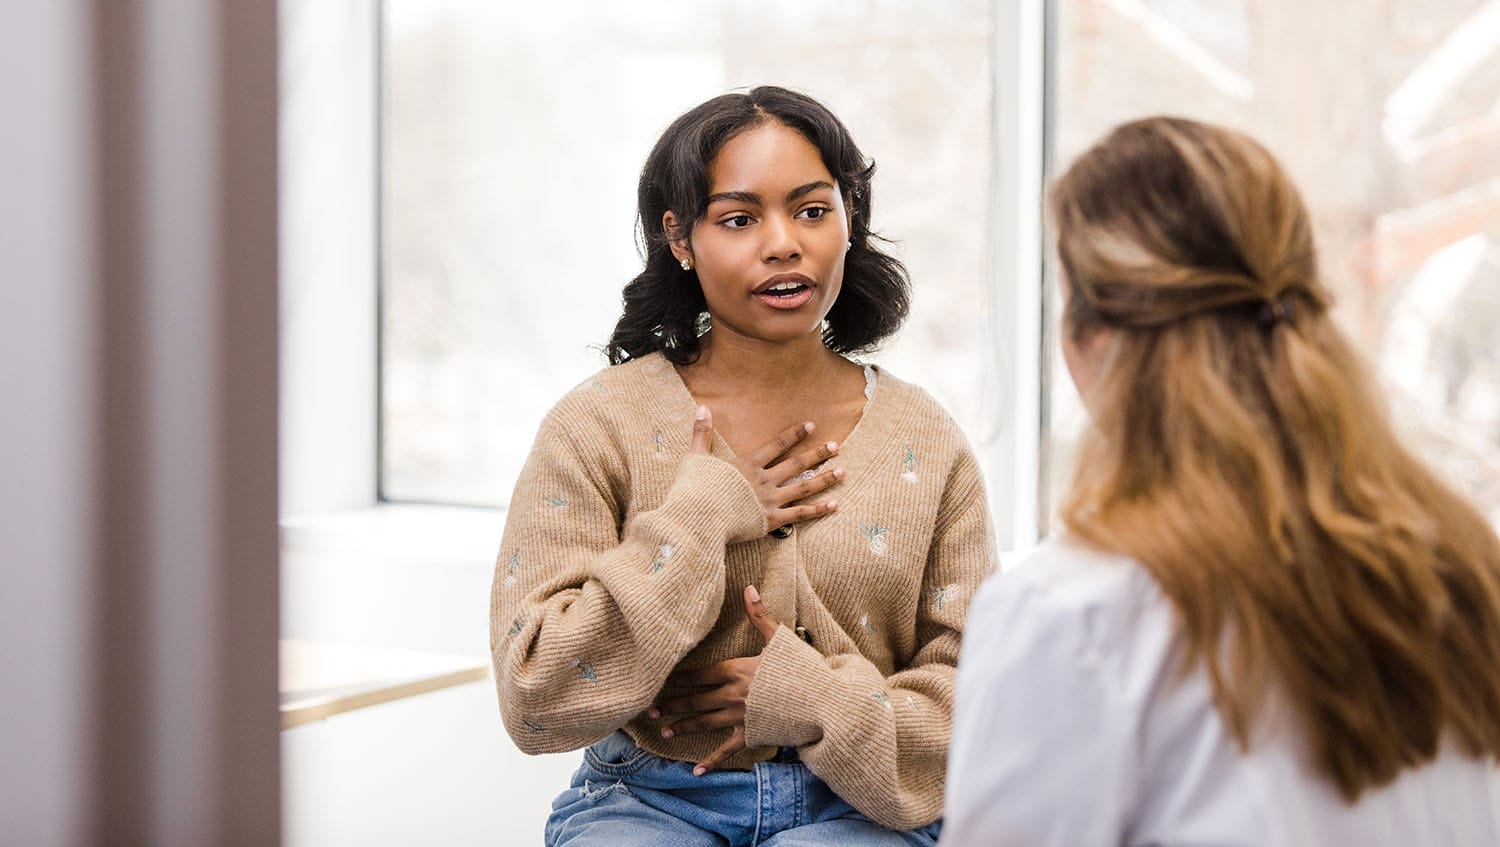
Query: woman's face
x=769, y=250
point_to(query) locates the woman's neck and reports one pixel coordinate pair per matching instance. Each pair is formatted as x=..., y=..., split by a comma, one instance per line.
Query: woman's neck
x=728, y=364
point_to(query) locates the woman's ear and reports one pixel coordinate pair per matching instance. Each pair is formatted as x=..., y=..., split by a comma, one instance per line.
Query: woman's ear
x=676, y=238
x=1086, y=357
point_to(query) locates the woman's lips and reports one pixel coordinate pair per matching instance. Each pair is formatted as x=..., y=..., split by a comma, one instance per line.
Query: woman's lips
x=793, y=300
x=785, y=291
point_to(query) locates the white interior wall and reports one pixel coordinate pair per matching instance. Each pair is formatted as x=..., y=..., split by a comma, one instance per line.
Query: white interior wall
x=329, y=132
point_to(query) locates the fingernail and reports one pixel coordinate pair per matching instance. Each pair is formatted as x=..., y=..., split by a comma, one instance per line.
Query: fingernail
x=666, y=733
x=833, y=446
x=698, y=771
x=833, y=504
x=702, y=413
x=808, y=427
x=838, y=473
x=654, y=713
x=753, y=594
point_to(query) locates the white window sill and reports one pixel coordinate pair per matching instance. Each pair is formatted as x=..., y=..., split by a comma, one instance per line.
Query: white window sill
x=401, y=577
x=431, y=535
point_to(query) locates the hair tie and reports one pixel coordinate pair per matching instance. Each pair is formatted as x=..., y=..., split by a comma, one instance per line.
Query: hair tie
x=1273, y=312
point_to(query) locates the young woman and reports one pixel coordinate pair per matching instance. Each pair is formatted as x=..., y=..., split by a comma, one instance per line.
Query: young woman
x=736, y=562
x=1267, y=623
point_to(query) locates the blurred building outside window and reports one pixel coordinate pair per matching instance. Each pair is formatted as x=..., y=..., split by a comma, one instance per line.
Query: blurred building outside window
x=514, y=136
x=1387, y=115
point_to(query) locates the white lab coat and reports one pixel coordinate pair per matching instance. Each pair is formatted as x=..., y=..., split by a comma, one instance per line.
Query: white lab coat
x=1072, y=729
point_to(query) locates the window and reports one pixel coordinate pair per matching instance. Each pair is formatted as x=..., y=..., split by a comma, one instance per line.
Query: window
x=510, y=139
x=1388, y=118
x=509, y=143
x=514, y=136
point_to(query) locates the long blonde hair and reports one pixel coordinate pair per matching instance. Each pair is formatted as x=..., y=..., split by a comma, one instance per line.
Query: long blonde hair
x=1241, y=453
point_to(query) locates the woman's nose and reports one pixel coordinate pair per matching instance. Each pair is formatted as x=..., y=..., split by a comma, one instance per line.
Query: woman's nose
x=780, y=242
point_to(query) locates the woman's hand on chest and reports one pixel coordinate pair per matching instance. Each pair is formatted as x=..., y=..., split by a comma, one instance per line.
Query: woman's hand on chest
x=773, y=469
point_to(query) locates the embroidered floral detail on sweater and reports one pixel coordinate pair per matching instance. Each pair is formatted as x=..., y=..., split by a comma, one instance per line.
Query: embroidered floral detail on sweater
x=586, y=671
x=556, y=502
x=661, y=447
x=663, y=553
x=597, y=386
x=515, y=628
x=534, y=727
x=864, y=623
x=880, y=698
x=511, y=567
x=876, y=535
x=940, y=597
x=909, y=462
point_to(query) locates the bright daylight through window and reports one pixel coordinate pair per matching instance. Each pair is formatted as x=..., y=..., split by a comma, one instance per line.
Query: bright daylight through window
x=514, y=137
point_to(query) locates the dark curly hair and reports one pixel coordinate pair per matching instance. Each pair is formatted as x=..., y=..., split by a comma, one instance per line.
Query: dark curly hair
x=663, y=304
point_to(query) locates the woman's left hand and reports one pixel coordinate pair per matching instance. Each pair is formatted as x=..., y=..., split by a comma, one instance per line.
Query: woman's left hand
x=721, y=707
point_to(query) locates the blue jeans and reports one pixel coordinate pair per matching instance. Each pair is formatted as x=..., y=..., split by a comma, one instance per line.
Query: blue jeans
x=623, y=796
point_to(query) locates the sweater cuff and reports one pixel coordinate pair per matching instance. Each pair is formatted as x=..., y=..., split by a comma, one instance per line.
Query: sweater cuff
x=715, y=482
x=782, y=705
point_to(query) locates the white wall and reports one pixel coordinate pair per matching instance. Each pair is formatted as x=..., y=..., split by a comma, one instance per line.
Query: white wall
x=329, y=138
x=437, y=768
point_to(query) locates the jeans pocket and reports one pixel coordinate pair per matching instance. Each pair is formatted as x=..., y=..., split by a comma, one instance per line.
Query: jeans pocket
x=616, y=756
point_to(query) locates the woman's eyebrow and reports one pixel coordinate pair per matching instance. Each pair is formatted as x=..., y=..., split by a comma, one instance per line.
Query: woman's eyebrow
x=749, y=198
x=802, y=190
x=752, y=199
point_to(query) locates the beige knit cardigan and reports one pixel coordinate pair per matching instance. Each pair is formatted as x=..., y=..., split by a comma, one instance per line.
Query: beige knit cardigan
x=624, y=558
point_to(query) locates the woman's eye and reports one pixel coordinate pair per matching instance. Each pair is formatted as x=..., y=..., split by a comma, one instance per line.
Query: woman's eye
x=815, y=212
x=737, y=222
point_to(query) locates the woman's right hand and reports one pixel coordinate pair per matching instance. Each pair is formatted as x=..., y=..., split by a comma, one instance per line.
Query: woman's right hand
x=770, y=469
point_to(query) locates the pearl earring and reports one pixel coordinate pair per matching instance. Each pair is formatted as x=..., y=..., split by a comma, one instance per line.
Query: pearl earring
x=687, y=264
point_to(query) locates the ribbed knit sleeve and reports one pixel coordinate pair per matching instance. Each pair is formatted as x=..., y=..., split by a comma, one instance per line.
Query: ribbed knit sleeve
x=881, y=742
x=589, y=613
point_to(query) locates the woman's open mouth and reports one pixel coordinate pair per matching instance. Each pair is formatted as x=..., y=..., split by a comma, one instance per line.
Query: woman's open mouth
x=785, y=291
